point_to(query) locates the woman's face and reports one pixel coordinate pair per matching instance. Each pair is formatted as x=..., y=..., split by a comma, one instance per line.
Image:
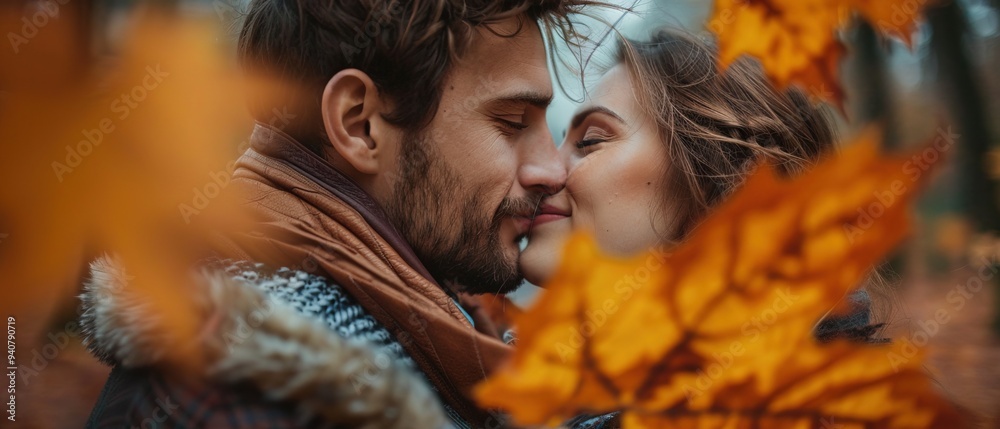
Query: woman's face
x=614, y=190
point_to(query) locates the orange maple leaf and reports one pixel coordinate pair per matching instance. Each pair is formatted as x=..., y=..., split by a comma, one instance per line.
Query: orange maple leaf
x=796, y=40
x=720, y=331
x=130, y=158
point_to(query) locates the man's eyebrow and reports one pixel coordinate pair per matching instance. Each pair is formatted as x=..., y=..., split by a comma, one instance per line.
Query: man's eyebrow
x=583, y=114
x=536, y=99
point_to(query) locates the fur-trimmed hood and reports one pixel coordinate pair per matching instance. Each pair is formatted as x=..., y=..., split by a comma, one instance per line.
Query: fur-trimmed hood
x=287, y=355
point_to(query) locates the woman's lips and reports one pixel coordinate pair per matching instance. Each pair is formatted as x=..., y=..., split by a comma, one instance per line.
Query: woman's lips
x=548, y=213
x=546, y=218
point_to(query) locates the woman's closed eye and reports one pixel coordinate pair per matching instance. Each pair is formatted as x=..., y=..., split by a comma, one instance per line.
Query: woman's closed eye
x=588, y=142
x=592, y=140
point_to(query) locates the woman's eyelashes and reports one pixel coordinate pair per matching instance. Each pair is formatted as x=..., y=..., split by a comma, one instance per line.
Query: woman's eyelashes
x=588, y=142
x=592, y=139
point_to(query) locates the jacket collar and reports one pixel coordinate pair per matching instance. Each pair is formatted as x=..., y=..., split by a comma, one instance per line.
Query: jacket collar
x=306, y=210
x=275, y=144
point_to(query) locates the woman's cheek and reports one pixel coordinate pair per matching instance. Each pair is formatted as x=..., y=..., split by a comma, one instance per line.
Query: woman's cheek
x=586, y=186
x=614, y=192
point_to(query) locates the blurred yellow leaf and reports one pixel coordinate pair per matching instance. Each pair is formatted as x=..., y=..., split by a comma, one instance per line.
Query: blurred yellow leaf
x=127, y=154
x=796, y=40
x=719, y=333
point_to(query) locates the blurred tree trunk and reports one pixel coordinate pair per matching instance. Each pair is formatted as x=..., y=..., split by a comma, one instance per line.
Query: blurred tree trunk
x=872, y=96
x=961, y=92
x=962, y=95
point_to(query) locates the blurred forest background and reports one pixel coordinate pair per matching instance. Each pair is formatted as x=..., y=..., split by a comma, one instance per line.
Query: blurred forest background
x=946, y=84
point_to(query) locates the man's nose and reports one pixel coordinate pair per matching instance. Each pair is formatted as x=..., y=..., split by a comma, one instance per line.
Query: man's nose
x=543, y=170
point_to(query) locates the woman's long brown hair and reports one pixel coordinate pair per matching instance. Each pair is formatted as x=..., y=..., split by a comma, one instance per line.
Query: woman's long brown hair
x=717, y=125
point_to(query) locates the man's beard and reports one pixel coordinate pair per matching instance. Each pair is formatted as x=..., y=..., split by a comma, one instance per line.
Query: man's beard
x=448, y=224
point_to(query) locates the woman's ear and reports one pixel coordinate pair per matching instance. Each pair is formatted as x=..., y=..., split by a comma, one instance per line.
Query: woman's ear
x=350, y=103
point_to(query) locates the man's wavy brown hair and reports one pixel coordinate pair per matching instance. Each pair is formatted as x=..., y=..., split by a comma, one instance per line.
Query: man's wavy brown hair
x=406, y=47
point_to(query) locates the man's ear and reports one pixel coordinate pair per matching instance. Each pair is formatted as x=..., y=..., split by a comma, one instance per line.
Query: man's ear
x=350, y=104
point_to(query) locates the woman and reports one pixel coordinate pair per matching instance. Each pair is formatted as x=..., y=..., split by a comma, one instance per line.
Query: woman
x=662, y=139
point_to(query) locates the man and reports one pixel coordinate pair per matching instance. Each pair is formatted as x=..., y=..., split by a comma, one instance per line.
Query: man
x=409, y=175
